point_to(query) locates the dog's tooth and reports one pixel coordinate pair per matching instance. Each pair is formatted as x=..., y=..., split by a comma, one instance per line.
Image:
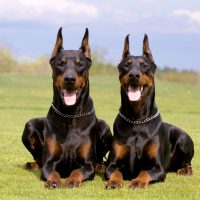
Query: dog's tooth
x=141, y=88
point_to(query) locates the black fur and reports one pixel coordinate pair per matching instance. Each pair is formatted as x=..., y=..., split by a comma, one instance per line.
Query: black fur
x=144, y=151
x=71, y=145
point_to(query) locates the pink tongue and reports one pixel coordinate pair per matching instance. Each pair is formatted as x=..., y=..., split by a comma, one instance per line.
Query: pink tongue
x=134, y=94
x=69, y=98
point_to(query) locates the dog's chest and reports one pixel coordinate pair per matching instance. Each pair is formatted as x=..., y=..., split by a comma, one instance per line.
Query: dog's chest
x=74, y=145
x=136, y=146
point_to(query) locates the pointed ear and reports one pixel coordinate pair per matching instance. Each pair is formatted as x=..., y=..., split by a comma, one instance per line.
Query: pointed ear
x=58, y=45
x=85, y=44
x=146, y=49
x=126, y=47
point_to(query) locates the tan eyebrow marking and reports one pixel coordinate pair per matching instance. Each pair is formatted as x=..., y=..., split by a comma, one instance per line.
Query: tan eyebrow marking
x=141, y=61
x=129, y=61
x=77, y=60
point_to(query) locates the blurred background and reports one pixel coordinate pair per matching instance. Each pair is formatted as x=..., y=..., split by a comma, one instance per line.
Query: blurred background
x=28, y=31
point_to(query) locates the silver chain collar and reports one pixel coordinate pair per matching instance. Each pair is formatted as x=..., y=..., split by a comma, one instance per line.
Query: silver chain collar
x=71, y=116
x=139, y=122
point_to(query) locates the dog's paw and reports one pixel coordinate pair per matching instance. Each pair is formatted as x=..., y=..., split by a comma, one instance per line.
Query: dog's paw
x=72, y=183
x=100, y=168
x=52, y=184
x=30, y=165
x=111, y=184
x=138, y=183
x=186, y=171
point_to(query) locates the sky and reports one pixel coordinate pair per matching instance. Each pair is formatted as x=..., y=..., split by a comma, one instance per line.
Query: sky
x=29, y=28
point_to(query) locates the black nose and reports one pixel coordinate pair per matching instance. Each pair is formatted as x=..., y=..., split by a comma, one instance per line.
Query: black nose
x=134, y=74
x=70, y=79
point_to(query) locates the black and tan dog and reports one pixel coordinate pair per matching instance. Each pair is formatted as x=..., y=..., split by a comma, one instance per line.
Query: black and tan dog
x=144, y=148
x=70, y=142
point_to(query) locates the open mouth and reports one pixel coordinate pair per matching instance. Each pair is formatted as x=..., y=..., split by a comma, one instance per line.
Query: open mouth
x=135, y=92
x=70, y=97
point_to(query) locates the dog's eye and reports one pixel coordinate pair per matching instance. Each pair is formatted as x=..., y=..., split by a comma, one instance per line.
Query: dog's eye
x=144, y=66
x=61, y=63
x=79, y=63
x=80, y=67
x=128, y=64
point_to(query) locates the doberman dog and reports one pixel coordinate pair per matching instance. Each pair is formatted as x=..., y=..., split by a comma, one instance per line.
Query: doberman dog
x=70, y=142
x=144, y=148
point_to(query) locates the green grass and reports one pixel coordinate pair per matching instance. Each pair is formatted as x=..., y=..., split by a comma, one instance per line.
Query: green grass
x=26, y=96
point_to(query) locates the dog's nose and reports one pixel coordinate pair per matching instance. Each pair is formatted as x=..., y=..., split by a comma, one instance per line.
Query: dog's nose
x=134, y=74
x=70, y=79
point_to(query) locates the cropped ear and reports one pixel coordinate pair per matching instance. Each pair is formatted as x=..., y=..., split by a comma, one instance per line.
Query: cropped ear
x=146, y=49
x=85, y=44
x=126, y=47
x=58, y=45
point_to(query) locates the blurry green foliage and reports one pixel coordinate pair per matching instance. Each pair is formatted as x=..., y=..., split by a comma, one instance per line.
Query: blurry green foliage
x=7, y=61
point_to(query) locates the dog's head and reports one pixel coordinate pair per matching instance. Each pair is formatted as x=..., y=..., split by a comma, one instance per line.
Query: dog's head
x=70, y=69
x=136, y=73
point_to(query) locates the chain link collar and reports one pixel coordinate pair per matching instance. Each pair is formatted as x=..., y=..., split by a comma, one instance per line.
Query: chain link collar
x=71, y=116
x=139, y=122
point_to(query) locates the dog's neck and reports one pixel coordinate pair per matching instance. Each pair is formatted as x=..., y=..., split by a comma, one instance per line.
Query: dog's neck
x=84, y=103
x=141, y=109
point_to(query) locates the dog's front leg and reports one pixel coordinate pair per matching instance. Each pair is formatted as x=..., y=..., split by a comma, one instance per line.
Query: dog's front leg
x=86, y=171
x=115, y=180
x=77, y=176
x=51, y=157
x=145, y=177
x=115, y=177
x=152, y=170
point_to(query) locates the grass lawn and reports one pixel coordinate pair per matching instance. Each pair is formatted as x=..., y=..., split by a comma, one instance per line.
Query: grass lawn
x=26, y=96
